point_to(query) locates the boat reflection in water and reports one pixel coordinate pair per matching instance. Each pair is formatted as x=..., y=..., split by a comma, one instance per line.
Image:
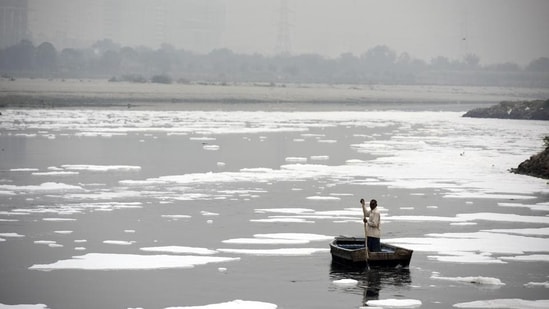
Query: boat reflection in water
x=371, y=281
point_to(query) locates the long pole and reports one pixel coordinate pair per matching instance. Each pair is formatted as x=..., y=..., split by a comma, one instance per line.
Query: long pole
x=367, y=256
x=364, y=220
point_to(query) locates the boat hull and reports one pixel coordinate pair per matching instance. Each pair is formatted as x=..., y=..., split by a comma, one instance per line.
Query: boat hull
x=352, y=251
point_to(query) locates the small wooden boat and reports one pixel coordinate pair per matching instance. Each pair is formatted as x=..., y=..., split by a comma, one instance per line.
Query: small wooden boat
x=352, y=251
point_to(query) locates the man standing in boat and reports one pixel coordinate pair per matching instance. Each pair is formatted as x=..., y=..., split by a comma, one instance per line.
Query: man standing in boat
x=372, y=221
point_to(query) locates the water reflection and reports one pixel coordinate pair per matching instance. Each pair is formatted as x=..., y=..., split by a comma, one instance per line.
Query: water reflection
x=372, y=281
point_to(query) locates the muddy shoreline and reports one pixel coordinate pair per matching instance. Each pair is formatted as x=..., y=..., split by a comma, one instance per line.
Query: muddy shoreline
x=42, y=93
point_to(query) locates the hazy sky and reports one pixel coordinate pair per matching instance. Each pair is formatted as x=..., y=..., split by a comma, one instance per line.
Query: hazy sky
x=495, y=30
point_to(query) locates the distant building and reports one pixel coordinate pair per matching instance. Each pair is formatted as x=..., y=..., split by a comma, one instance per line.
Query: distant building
x=13, y=22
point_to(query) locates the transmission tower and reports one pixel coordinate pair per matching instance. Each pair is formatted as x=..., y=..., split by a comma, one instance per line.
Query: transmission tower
x=283, y=44
x=160, y=23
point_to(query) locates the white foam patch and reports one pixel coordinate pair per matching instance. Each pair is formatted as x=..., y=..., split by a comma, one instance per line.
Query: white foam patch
x=535, y=207
x=498, y=217
x=285, y=210
x=66, y=173
x=26, y=135
x=345, y=283
x=463, y=223
x=297, y=236
x=466, y=257
x=265, y=241
x=425, y=149
x=14, y=212
x=44, y=187
x=302, y=172
x=312, y=135
x=24, y=169
x=106, y=261
x=528, y=258
x=176, y=217
x=324, y=198
x=44, y=242
x=306, y=214
x=119, y=242
x=542, y=231
x=10, y=235
x=180, y=250
x=99, y=134
x=537, y=284
x=476, y=247
x=394, y=303
x=282, y=220
x=235, y=304
x=105, y=195
x=320, y=158
x=211, y=147
x=69, y=209
x=100, y=168
x=476, y=280
x=37, y=306
x=63, y=232
x=509, y=303
x=276, y=252
x=296, y=159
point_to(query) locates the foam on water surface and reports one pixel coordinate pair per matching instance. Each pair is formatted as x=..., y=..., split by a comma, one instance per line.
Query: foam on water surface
x=235, y=304
x=100, y=168
x=395, y=303
x=345, y=283
x=37, y=306
x=108, y=261
x=469, y=167
x=477, y=247
x=11, y=235
x=537, y=284
x=44, y=187
x=509, y=303
x=180, y=250
x=480, y=280
x=276, y=252
x=457, y=158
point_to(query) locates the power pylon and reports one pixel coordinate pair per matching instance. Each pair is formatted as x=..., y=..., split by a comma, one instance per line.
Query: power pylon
x=283, y=42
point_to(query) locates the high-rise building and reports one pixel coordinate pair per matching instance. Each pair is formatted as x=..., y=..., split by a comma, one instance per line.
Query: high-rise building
x=13, y=22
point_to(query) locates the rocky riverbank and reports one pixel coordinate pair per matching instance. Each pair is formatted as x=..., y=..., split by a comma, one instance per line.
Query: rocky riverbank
x=531, y=110
x=537, y=165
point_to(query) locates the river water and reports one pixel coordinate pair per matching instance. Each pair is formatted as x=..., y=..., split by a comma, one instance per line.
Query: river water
x=233, y=206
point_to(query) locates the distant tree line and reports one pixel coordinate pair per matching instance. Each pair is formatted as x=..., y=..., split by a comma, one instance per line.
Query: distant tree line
x=378, y=65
